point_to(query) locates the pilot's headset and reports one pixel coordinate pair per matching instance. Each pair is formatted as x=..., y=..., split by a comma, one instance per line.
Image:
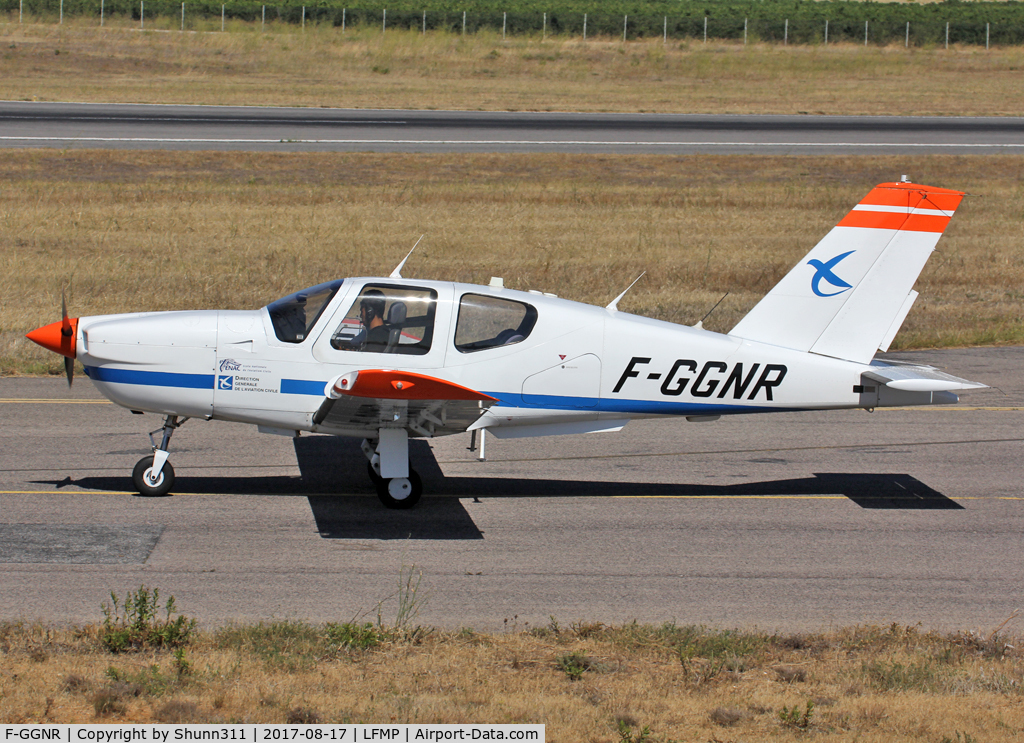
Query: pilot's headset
x=374, y=303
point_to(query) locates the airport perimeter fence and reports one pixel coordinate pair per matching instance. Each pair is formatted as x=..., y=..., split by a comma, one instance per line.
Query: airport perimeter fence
x=922, y=30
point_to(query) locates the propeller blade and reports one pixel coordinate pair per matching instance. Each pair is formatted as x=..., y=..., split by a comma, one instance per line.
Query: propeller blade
x=69, y=369
x=65, y=323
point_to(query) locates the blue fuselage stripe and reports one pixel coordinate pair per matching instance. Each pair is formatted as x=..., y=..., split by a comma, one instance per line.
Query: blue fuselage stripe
x=150, y=378
x=506, y=399
x=616, y=405
x=302, y=387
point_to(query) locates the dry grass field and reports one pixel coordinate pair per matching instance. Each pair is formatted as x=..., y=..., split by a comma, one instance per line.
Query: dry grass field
x=586, y=682
x=133, y=231
x=284, y=66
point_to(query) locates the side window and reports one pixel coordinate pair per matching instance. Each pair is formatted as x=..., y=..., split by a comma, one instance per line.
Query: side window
x=487, y=322
x=388, y=319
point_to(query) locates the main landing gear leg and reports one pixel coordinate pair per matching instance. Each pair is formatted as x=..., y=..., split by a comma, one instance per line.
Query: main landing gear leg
x=153, y=476
x=398, y=485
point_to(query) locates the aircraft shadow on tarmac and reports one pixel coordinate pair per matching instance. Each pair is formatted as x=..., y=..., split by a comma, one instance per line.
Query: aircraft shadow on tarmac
x=328, y=465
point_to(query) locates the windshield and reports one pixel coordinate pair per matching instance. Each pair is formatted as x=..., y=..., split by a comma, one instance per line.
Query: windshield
x=295, y=315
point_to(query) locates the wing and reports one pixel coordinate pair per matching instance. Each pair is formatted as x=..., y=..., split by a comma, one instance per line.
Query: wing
x=372, y=399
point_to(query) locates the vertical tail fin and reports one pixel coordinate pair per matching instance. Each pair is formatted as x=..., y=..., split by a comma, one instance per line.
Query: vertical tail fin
x=848, y=297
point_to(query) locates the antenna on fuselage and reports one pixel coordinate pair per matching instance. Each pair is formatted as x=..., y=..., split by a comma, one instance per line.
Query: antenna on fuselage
x=700, y=323
x=614, y=304
x=397, y=273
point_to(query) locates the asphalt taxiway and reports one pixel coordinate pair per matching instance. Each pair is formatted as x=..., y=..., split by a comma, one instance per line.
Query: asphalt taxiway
x=786, y=521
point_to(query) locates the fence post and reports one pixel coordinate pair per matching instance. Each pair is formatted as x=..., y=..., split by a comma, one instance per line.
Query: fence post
x=183, y=17
x=343, y=11
x=62, y=11
x=544, y=32
x=947, y=36
x=906, y=43
x=303, y=17
x=664, y=33
x=222, y=19
x=865, y=33
x=785, y=34
x=705, y=29
x=424, y=22
x=504, y=22
x=384, y=23
x=826, y=32
x=142, y=14
x=625, y=21
x=744, y=32
x=463, y=23
x=21, y=10
x=986, y=37
x=263, y=23
x=101, y=15
x=584, y=26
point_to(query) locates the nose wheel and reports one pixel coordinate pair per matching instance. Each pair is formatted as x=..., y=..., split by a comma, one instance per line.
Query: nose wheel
x=150, y=485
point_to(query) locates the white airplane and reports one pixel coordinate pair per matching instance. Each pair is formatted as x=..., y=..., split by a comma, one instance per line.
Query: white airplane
x=386, y=359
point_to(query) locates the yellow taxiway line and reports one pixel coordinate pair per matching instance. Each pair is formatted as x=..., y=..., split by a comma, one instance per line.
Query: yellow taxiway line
x=55, y=402
x=67, y=492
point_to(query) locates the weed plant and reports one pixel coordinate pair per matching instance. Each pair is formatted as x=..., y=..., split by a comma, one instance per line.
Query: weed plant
x=134, y=623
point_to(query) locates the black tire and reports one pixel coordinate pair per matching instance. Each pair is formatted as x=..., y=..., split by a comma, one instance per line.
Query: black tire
x=163, y=485
x=409, y=500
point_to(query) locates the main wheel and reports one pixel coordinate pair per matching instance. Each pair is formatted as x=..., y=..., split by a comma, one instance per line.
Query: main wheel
x=142, y=478
x=400, y=492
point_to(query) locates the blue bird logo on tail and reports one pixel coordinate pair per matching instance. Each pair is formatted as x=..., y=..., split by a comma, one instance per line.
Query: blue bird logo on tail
x=824, y=271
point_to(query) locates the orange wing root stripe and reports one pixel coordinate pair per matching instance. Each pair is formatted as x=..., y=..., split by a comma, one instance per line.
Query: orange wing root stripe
x=386, y=384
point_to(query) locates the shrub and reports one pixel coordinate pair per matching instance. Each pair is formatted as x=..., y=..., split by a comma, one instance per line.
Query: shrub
x=353, y=635
x=135, y=623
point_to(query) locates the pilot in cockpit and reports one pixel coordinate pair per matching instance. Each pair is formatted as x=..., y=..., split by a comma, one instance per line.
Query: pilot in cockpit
x=374, y=334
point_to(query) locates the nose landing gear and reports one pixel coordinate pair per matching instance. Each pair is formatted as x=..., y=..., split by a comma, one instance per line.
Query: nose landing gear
x=153, y=476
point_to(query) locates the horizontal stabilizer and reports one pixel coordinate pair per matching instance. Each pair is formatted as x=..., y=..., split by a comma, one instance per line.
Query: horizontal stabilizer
x=848, y=297
x=914, y=378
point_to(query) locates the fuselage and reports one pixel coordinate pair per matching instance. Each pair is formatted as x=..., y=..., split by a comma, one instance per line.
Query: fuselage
x=566, y=365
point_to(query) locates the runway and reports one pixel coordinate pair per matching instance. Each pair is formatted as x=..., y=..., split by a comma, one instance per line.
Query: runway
x=175, y=127
x=788, y=521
